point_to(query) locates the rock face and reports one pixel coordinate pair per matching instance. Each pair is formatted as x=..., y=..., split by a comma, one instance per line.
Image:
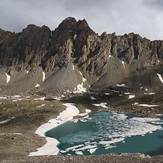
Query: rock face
x=73, y=52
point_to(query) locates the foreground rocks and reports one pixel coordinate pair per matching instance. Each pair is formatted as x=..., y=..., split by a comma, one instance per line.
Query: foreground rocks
x=110, y=158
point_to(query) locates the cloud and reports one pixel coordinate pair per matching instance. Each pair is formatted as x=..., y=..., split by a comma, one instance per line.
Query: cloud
x=121, y=16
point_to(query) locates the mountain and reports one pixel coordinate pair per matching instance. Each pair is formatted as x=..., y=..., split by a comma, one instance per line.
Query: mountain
x=73, y=58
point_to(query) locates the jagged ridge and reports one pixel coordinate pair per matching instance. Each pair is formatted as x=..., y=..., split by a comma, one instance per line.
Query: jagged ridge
x=103, y=60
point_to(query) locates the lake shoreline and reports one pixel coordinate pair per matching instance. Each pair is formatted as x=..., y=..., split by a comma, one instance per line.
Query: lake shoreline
x=17, y=147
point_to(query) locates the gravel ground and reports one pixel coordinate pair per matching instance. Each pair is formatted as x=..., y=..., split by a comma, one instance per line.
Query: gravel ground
x=110, y=158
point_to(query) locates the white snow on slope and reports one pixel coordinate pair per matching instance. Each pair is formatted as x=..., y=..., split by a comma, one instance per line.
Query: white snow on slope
x=75, y=36
x=131, y=96
x=127, y=93
x=145, y=105
x=41, y=98
x=160, y=77
x=8, y=78
x=16, y=96
x=80, y=88
x=37, y=85
x=4, y=121
x=73, y=67
x=84, y=79
x=123, y=63
x=43, y=76
x=102, y=104
x=92, y=98
x=3, y=98
x=41, y=105
x=150, y=93
x=109, y=56
x=121, y=85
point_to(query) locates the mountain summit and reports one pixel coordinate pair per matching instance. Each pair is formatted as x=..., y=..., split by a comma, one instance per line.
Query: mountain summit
x=73, y=58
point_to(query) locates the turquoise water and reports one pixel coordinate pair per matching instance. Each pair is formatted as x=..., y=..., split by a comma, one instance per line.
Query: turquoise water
x=109, y=132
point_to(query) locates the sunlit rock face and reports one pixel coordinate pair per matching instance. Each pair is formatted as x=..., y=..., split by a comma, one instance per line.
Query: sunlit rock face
x=73, y=51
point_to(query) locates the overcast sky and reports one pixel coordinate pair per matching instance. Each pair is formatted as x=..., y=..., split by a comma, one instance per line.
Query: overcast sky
x=144, y=17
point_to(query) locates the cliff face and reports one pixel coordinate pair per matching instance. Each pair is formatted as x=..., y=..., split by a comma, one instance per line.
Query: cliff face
x=102, y=60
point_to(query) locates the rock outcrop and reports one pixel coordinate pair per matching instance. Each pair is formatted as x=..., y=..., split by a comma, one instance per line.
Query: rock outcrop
x=73, y=51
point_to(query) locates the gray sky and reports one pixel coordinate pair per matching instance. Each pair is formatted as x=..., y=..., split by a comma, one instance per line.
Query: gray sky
x=144, y=17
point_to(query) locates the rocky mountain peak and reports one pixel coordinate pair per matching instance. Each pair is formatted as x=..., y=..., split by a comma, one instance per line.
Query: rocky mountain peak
x=82, y=24
x=103, y=60
x=68, y=23
x=71, y=24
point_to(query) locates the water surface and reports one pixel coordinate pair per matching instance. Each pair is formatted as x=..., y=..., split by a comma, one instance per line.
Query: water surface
x=109, y=132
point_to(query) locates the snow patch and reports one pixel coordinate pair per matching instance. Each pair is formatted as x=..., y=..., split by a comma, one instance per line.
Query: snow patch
x=87, y=111
x=17, y=133
x=3, y=98
x=127, y=93
x=73, y=67
x=84, y=79
x=80, y=89
x=57, y=98
x=41, y=98
x=41, y=106
x=102, y=104
x=123, y=63
x=17, y=96
x=47, y=149
x=160, y=77
x=150, y=93
x=121, y=85
x=37, y=85
x=8, y=78
x=131, y=96
x=5, y=121
x=92, y=98
x=43, y=76
x=145, y=105
x=75, y=36
x=107, y=94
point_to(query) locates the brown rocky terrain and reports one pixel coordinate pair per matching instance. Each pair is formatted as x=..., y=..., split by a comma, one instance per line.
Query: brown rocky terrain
x=103, y=60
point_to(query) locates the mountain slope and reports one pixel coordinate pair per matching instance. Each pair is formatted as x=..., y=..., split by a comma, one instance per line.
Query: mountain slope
x=104, y=60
